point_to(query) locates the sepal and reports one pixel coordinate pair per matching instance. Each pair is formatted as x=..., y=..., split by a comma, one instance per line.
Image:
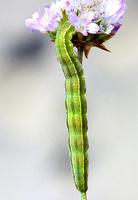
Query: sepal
x=87, y=42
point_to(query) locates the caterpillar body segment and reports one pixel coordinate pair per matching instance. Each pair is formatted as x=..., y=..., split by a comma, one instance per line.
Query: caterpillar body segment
x=76, y=106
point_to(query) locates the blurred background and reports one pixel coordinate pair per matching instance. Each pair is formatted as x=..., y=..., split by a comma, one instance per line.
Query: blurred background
x=34, y=161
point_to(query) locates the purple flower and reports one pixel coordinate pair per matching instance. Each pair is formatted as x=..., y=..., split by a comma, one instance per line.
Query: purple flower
x=47, y=21
x=81, y=24
x=114, y=14
x=116, y=28
x=34, y=23
x=87, y=16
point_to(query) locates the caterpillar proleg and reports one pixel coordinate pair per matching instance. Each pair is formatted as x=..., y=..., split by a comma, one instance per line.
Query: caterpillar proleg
x=76, y=106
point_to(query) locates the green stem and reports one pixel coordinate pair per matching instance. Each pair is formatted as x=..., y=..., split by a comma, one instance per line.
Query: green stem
x=83, y=196
x=80, y=54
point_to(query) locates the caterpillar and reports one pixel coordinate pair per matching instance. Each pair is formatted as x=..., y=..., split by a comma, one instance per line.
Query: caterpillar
x=76, y=106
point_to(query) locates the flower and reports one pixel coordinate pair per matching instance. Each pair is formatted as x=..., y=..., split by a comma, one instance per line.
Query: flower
x=87, y=16
x=35, y=22
x=114, y=13
x=47, y=20
x=83, y=24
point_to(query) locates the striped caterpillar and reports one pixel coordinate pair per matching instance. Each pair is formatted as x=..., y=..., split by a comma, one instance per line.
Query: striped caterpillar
x=76, y=106
x=82, y=25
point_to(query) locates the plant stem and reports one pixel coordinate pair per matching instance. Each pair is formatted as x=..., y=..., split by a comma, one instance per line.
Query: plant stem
x=80, y=54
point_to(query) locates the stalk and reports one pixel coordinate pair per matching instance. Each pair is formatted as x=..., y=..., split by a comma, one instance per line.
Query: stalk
x=80, y=54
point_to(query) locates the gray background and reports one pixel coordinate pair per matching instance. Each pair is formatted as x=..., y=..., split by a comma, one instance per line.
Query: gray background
x=34, y=160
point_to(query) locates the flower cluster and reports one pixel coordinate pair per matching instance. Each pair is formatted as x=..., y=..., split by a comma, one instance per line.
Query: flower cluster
x=87, y=16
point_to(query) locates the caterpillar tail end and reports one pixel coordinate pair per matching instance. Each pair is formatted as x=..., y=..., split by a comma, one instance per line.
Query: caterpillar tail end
x=83, y=196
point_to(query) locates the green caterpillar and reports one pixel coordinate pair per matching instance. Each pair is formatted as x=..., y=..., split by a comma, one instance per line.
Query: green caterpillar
x=76, y=105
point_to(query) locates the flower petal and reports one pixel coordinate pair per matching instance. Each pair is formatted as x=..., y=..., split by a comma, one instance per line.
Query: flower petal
x=93, y=28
